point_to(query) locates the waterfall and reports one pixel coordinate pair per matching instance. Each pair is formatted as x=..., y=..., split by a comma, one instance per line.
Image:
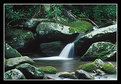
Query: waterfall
x=68, y=51
x=66, y=54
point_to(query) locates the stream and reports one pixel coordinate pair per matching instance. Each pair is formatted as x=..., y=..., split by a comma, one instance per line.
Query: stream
x=70, y=66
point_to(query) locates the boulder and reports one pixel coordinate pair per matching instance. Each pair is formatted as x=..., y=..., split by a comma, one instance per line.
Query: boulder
x=109, y=68
x=89, y=67
x=12, y=62
x=30, y=71
x=11, y=52
x=70, y=75
x=51, y=48
x=98, y=62
x=13, y=74
x=19, y=38
x=93, y=66
x=107, y=34
x=81, y=74
x=100, y=50
x=49, y=31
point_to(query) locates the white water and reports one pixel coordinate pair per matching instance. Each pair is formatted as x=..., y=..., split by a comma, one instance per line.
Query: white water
x=66, y=54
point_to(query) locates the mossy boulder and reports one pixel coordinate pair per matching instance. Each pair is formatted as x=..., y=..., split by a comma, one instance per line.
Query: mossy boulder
x=51, y=31
x=19, y=38
x=30, y=71
x=100, y=50
x=99, y=64
x=89, y=67
x=109, y=68
x=12, y=62
x=48, y=69
x=13, y=74
x=105, y=34
x=11, y=52
x=93, y=66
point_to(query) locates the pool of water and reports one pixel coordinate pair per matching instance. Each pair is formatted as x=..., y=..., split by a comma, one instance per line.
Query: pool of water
x=63, y=65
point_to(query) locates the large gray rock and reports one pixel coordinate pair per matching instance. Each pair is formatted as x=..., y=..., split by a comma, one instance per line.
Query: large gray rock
x=100, y=50
x=50, y=31
x=81, y=74
x=70, y=75
x=11, y=52
x=30, y=71
x=45, y=27
x=107, y=34
x=12, y=62
x=101, y=32
x=51, y=48
x=13, y=74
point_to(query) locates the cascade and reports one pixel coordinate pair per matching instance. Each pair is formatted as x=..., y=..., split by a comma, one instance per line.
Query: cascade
x=66, y=54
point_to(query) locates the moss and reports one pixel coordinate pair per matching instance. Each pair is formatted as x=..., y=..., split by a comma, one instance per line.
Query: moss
x=90, y=67
x=98, y=62
x=99, y=50
x=80, y=26
x=48, y=69
x=108, y=68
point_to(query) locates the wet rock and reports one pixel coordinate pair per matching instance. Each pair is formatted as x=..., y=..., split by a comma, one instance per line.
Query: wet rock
x=13, y=74
x=99, y=72
x=81, y=74
x=100, y=50
x=70, y=75
x=12, y=62
x=107, y=34
x=101, y=32
x=30, y=71
x=11, y=52
x=51, y=48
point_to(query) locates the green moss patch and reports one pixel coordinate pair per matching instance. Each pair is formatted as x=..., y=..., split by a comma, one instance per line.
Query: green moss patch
x=80, y=26
x=48, y=69
x=89, y=67
x=108, y=68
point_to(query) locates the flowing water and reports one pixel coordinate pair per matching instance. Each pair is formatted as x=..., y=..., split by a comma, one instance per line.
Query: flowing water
x=66, y=54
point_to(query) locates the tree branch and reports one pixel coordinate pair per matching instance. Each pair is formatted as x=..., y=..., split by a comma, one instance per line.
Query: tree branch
x=86, y=19
x=37, y=12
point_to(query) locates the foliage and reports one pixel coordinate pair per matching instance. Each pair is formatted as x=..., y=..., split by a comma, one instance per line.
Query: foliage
x=100, y=14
